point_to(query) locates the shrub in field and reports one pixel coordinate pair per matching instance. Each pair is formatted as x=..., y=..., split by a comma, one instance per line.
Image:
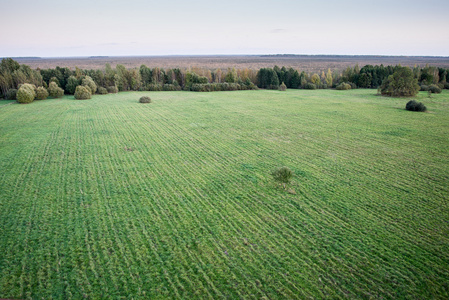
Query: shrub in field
x=215, y=87
x=54, y=90
x=154, y=87
x=402, y=83
x=145, y=99
x=413, y=105
x=282, y=175
x=310, y=86
x=41, y=93
x=283, y=87
x=11, y=94
x=102, y=91
x=26, y=93
x=435, y=89
x=424, y=87
x=88, y=82
x=82, y=93
x=446, y=85
x=112, y=89
x=343, y=86
x=171, y=87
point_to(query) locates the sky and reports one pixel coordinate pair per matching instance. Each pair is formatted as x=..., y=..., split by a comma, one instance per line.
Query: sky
x=59, y=28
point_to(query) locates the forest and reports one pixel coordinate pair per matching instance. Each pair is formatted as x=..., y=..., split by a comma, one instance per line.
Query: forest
x=200, y=79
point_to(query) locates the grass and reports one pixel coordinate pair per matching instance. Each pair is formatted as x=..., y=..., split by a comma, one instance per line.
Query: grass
x=110, y=198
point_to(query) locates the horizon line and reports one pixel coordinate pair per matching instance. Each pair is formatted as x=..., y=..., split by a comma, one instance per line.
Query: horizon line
x=222, y=55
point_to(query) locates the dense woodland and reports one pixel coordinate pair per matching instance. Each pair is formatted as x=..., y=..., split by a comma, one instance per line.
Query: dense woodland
x=111, y=80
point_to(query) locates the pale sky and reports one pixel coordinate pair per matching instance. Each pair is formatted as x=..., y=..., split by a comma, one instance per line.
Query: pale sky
x=58, y=28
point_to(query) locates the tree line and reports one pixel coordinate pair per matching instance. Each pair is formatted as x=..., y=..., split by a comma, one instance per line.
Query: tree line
x=112, y=80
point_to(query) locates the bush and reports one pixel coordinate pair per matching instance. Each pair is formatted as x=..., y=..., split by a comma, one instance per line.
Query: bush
x=343, y=86
x=310, y=86
x=283, y=87
x=112, y=89
x=424, y=88
x=171, y=87
x=412, y=105
x=11, y=94
x=26, y=93
x=401, y=84
x=102, y=91
x=82, y=93
x=145, y=99
x=88, y=82
x=435, y=89
x=154, y=87
x=41, y=93
x=446, y=85
x=282, y=175
x=54, y=90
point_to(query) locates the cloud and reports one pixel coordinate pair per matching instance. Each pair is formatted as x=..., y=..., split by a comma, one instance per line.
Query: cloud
x=279, y=30
x=109, y=44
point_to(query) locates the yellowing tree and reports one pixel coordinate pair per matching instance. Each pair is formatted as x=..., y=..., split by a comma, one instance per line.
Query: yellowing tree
x=329, y=79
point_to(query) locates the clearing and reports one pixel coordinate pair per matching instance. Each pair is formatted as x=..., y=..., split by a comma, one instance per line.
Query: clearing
x=111, y=198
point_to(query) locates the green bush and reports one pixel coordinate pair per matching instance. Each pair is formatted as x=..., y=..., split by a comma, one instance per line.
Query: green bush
x=82, y=93
x=310, y=86
x=282, y=175
x=41, y=93
x=54, y=90
x=112, y=89
x=401, y=84
x=283, y=87
x=435, y=89
x=171, y=87
x=412, y=105
x=102, y=91
x=216, y=87
x=154, y=87
x=88, y=82
x=11, y=94
x=145, y=99
x=424, y=87
x=446, y=85
x=26, y=93
x=343, y=86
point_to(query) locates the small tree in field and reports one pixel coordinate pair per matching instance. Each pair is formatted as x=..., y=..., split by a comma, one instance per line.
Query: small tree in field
x=82, y=93
x=41, y=93
x=283, y=87
x=26, y=93
x=401, y=84
x=282, y=175
x=54, y=90
x=88, y=82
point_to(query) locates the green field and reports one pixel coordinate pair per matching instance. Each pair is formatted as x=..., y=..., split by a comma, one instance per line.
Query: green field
x=109, y=198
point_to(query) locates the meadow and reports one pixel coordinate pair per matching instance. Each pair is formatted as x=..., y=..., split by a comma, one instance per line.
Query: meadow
x=110, y=198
